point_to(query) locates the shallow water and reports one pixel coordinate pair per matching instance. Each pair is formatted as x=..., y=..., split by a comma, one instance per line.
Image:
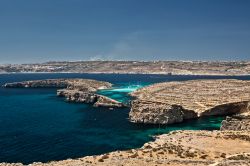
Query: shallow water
x=35, y=125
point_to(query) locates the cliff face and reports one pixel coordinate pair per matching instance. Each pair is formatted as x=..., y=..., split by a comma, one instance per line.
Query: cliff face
x=172, y=102
x=80, y=96
x=237, y=122
x=75, y=90
x=157, y=112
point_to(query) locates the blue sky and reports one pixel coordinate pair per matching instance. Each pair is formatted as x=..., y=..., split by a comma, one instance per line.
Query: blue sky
x=45, y=30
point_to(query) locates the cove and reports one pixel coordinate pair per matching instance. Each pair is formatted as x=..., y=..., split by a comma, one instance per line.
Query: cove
x=37, y=126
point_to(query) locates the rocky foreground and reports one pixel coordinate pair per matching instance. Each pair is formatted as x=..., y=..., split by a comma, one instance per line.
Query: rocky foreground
x=173, y=102
x=74, y=90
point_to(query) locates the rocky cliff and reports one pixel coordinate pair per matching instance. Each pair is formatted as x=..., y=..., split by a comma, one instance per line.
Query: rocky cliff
x=237, y=122
x=78, y=96
x=75, y=90
x=172, y=102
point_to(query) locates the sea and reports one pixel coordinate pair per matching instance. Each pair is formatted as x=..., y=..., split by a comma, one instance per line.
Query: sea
x=38, y=126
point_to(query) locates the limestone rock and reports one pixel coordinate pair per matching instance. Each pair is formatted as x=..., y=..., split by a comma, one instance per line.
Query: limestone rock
x=237, y=122
x=103, y=101
x=77, y=96
x=172, y=102
x=88, y=97
x=75, y=90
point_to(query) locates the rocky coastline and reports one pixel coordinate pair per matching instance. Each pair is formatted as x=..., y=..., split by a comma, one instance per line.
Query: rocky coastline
x=238, y=122
x=173, y=102
x=97, y=100
x=74, y=90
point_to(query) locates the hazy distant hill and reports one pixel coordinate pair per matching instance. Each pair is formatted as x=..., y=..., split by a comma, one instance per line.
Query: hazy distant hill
x=152, y=67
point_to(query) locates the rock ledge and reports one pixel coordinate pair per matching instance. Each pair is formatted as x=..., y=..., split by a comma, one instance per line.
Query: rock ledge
x=172, y=102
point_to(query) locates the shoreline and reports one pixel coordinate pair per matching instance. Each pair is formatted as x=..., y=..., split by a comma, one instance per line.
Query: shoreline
x=179, y=149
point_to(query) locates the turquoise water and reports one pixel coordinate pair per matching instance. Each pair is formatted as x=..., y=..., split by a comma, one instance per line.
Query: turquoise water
x=35, y=125
x=120, y=92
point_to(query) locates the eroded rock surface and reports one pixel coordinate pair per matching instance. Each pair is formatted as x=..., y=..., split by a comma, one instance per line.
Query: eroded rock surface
x=97, y=100
x=172, y=102
x=75, y=90
x=103, y=101
x=237, y=122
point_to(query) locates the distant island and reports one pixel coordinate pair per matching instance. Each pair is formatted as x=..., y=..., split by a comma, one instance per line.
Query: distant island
x=134, y=67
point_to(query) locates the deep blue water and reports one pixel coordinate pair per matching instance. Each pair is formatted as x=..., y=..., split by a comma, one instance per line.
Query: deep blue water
x=35, y=125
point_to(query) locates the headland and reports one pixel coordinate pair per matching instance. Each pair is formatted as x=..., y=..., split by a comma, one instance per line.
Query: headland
x=74, y=90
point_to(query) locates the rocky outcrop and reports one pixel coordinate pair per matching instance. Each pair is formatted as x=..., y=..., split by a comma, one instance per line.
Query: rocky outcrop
x=77, y=96
x=237, y=122
x=158, y=112
x=75, y=90
x=172, y=102
x=103, y=101
x=88, y=97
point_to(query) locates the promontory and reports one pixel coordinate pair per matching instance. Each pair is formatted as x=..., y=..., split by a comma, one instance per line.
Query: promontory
x=172, y=102
x=74, y=90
